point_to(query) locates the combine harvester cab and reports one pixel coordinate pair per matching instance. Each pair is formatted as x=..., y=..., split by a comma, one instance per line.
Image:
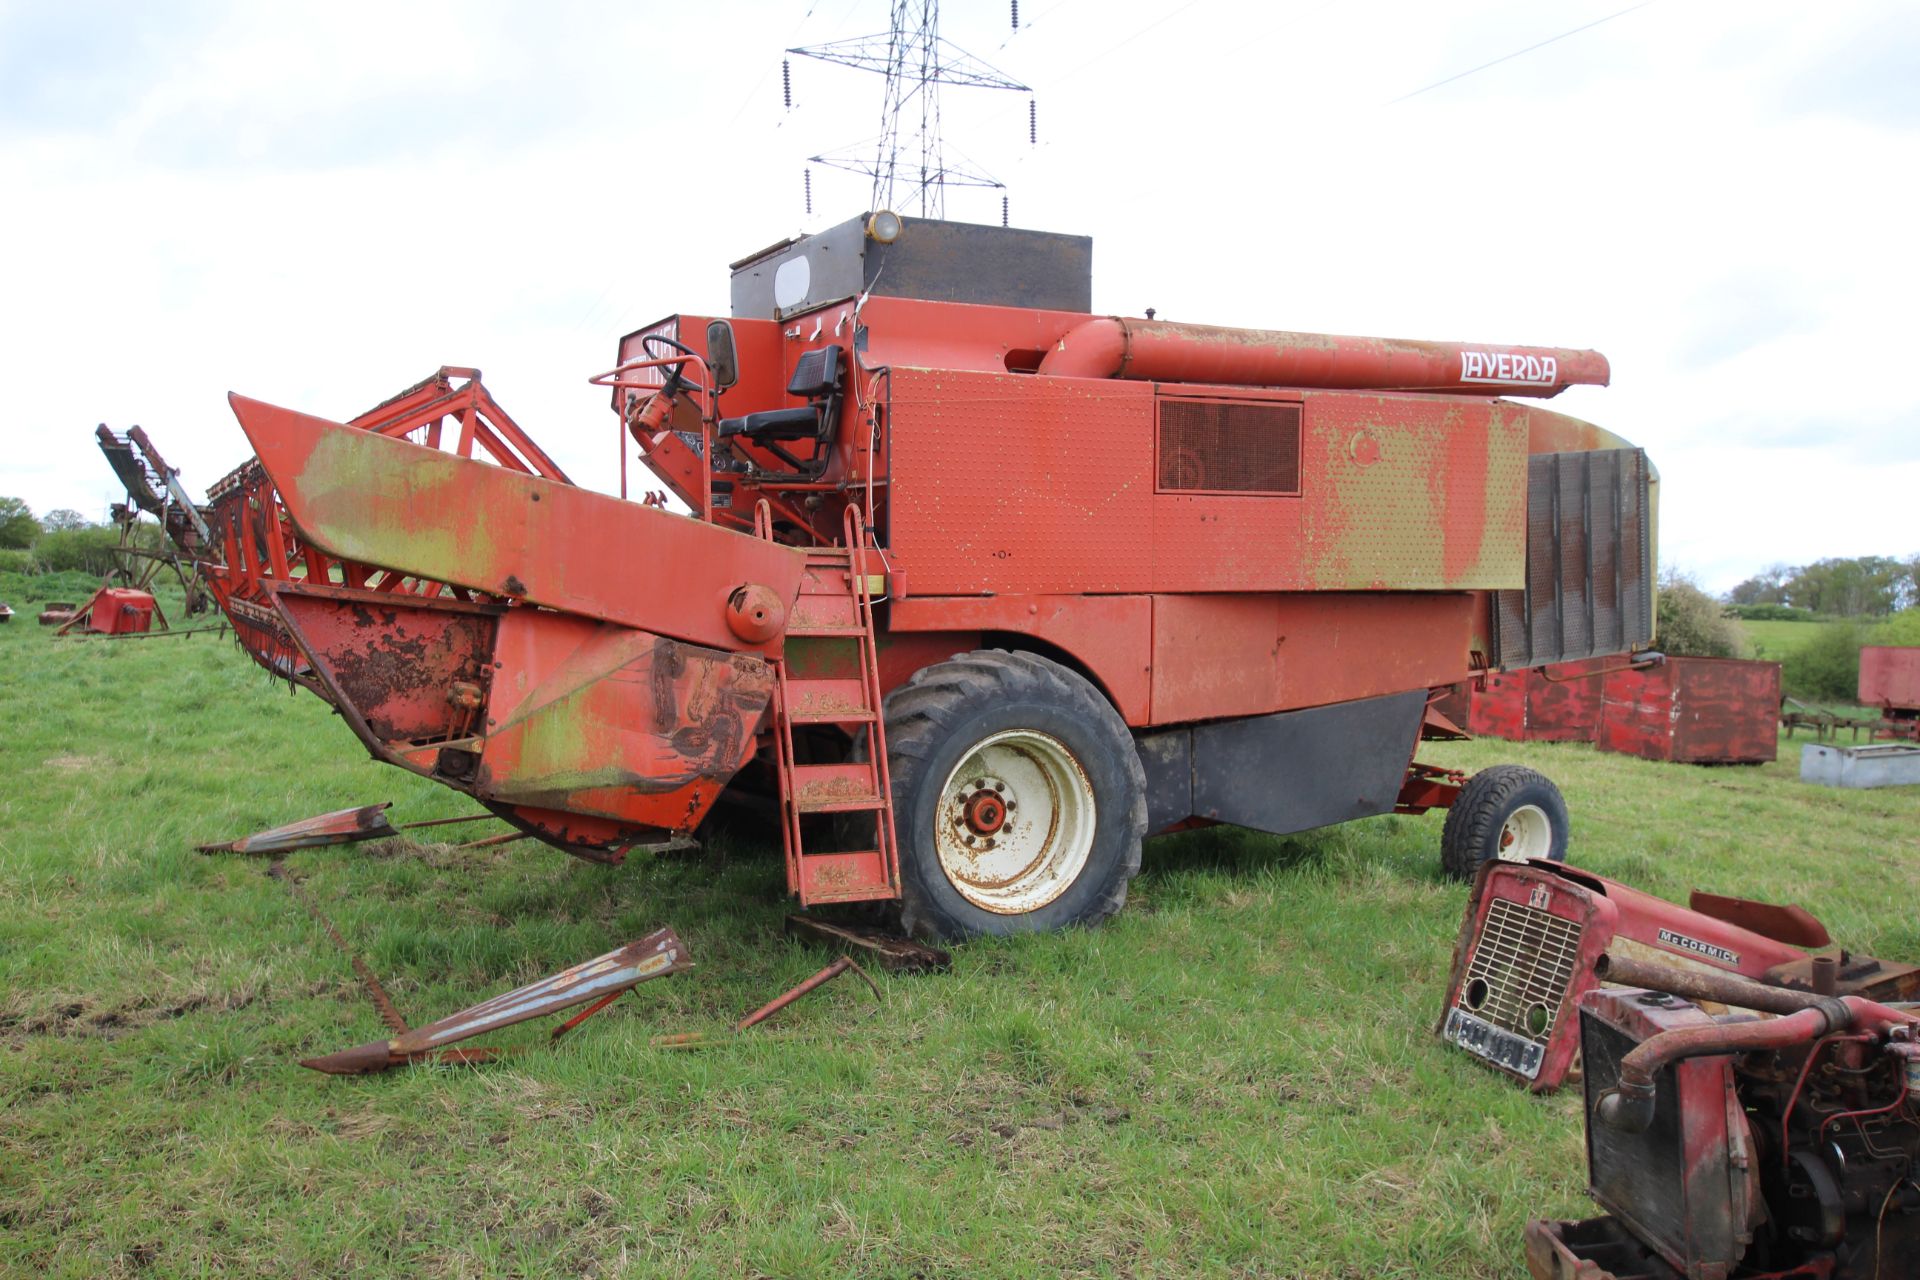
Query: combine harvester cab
x=990, y=587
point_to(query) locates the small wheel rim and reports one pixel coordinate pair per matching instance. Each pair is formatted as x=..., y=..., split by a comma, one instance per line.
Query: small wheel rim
x=1527, y=833
x=1015, y=824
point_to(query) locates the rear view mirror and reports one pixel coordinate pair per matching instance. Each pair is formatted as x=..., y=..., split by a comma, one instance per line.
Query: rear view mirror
x=722, y=363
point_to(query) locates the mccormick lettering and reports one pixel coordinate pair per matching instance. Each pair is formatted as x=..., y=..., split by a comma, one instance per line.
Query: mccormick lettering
x=1680, y=940
x=1505, y=366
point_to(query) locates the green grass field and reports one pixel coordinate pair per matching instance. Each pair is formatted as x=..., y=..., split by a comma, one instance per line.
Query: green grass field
x=1236, y=1078
x=1775, y=640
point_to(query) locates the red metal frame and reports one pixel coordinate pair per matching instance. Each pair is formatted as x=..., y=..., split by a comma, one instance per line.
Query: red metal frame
x=648, y=440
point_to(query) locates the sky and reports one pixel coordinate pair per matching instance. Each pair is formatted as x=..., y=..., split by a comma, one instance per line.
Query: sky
x=319, y=205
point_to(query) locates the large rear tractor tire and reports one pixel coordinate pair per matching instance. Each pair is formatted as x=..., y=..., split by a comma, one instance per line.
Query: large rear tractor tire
x=1507, y=813
x=1019, y=800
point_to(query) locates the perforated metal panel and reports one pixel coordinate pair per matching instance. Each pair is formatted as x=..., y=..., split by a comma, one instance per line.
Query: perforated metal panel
x=1219, y=446
x=1589, y=585
x=1010, y=484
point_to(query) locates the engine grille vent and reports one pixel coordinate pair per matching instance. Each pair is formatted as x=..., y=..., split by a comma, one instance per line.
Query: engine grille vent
x=1520, y=971
x=1225, y=446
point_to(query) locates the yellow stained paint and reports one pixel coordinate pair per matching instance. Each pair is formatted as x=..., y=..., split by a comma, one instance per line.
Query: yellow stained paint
x=414, y=519
x=1382, y=525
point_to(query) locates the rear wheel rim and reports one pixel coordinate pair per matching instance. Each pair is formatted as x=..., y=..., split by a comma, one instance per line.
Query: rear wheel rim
x=1033, y=850
x=1527, y=833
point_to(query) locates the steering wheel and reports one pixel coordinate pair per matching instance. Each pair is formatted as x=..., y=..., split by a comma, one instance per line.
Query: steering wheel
x=674, y=380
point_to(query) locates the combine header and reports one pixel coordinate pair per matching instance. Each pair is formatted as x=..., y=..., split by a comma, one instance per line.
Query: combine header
x=977, y=588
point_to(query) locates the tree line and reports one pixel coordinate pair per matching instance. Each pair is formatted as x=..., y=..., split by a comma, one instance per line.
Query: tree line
x=60, y=540
x=1857, y=587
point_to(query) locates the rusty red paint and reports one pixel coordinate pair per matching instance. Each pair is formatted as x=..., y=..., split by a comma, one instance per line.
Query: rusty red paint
x=1890, y=676
x=1429, y=787
x=1693, y=711
x=1554, y=704
x=1710, y=1192
x=1603, y=920
x=1791, y=924
x=487, y=528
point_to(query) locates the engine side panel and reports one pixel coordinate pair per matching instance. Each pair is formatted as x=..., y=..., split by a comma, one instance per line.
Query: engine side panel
x=1006, y=483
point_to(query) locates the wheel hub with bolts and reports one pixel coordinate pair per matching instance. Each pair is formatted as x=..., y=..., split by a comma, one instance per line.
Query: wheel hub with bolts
x=985, y=811
x=1016, y=822
x=1527, y=833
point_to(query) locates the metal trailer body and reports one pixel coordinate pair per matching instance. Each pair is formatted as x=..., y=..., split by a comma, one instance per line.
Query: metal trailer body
x=1693, y=711
x=1232, y=562
x=1890, y=680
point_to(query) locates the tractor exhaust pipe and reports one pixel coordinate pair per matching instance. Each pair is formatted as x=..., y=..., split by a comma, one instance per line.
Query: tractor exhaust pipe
x=1805, y=1017
x=1161, y=351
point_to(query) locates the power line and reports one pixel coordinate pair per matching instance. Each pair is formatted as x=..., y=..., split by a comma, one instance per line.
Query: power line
x=915, y=62
x=1517, y=52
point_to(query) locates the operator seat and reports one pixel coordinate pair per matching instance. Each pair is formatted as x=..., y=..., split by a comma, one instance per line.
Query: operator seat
x=816, y=377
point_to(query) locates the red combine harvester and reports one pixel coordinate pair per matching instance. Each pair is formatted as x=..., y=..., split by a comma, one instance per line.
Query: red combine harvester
x=979, y=588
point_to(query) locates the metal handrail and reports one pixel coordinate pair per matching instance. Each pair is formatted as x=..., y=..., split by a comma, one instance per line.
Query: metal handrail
x=709, y=416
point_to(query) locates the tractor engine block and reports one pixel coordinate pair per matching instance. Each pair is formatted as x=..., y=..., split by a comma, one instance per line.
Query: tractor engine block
x=1801, y=1161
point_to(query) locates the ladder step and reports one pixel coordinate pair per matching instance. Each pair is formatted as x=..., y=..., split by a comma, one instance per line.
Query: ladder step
x=838, y=717
x=827, y=701
x=834, y=788
x=810, y=632
x=844, y=877
x=812, y=613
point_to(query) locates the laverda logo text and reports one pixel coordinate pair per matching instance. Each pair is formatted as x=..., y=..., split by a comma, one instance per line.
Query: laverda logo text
x=1503, y=366
x=1729, y=958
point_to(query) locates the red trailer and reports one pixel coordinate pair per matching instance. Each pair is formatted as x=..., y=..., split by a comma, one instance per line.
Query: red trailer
x=1694, y=711
x=1890, y=680
x=1540, y=704
x=978, y=588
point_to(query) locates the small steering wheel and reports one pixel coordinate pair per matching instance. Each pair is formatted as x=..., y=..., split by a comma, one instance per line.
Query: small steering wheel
x=672, y=372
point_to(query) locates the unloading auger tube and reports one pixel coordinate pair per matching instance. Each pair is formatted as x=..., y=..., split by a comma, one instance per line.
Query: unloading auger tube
x=1164, y=351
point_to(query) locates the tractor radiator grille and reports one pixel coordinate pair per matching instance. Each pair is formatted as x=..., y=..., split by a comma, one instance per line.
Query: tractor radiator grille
x=1218, y=446
x=1521, y=966
x=1589, y=588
